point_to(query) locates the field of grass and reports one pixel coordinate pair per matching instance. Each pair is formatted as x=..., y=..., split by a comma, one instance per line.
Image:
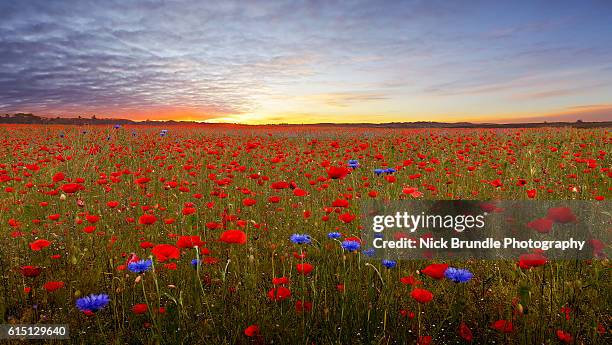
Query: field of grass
x=81, y=206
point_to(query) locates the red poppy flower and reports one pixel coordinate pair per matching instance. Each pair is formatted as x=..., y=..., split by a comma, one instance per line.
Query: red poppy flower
x=303, y=306
x=112, y=204
x=465, y=332
x=542, y=225
x=251, y=331
x=280, y=281
x=304, y=268
x=189, y=242
x=424, y=340
x=340, y=203
x=278, y=294
x=52, y=286
x=503, y=326
x=564, y=336
x=410, y=280
x=92, y=218
x=233, y=236
x=249, y=202
x=421, y=295
x=528, y=261
x=299, y=192
x=347, y=217
x=58, y=177
x=435, y=271
x=147, y=219
x=140, y=308
x=335, y=172
x=70, y=188
x=39, y=244
x=561, y=215
x=279, y=185
x=163, y=252
x=30, y=271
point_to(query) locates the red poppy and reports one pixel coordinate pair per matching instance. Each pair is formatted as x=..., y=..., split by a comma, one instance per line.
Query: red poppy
x=112, y=204
x=279, y=185
x=30, y=271
x=335, y=172
x=531, y=193
x=163, y=252
x=233, y=236
x=70, y=188
x=304, y=268
x=424, y=340
x=465, y=332
x=299, y=192
x=92, y=218
x=347, y=217
x=53, y=285
x=189, y=242
x=280, y=281
x=39, y=244
x=147, y=219
x=140, y=308
x=251, y=331
x=528, y=261
x=565, y=337
x=340, y=203
x=542, y=225
x=58, y=177
x=410, y=280
x=249, y=202
x=421, y=295
x=503, y=326
x=303, y=306
x=278, y=294
x=188, y=210
x=435, y=271
x=561, y=215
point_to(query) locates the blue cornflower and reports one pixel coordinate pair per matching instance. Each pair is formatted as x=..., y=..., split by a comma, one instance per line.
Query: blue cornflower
x=378, y=172
x=390, y=171
x=351, y=246
x=300, y=239
x=140, y=266
x=389, y=263
x=334, y=235
x=458, y=275
x=194, y=263
x=92, y=303
x=353, y=163
x=163, y=132
x=117, y=126
x=369, y=252
x=61, y=135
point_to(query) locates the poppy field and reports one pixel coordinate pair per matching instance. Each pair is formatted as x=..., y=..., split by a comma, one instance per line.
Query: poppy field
x=251, y=235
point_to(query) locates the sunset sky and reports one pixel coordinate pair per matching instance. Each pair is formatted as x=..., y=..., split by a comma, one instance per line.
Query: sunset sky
x=308, y=61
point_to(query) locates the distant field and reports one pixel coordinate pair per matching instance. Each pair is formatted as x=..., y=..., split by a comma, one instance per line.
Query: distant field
x=84, y=208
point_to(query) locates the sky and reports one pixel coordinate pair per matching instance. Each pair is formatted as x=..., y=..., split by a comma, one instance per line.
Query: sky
x=261, y=62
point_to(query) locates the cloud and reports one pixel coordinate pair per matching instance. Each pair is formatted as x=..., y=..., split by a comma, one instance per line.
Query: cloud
x=223, y=60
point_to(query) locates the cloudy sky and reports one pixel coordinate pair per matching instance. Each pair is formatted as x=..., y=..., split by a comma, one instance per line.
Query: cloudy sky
x=308, y=61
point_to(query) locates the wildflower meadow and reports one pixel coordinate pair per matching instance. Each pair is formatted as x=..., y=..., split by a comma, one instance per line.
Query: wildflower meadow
x=225, y=234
